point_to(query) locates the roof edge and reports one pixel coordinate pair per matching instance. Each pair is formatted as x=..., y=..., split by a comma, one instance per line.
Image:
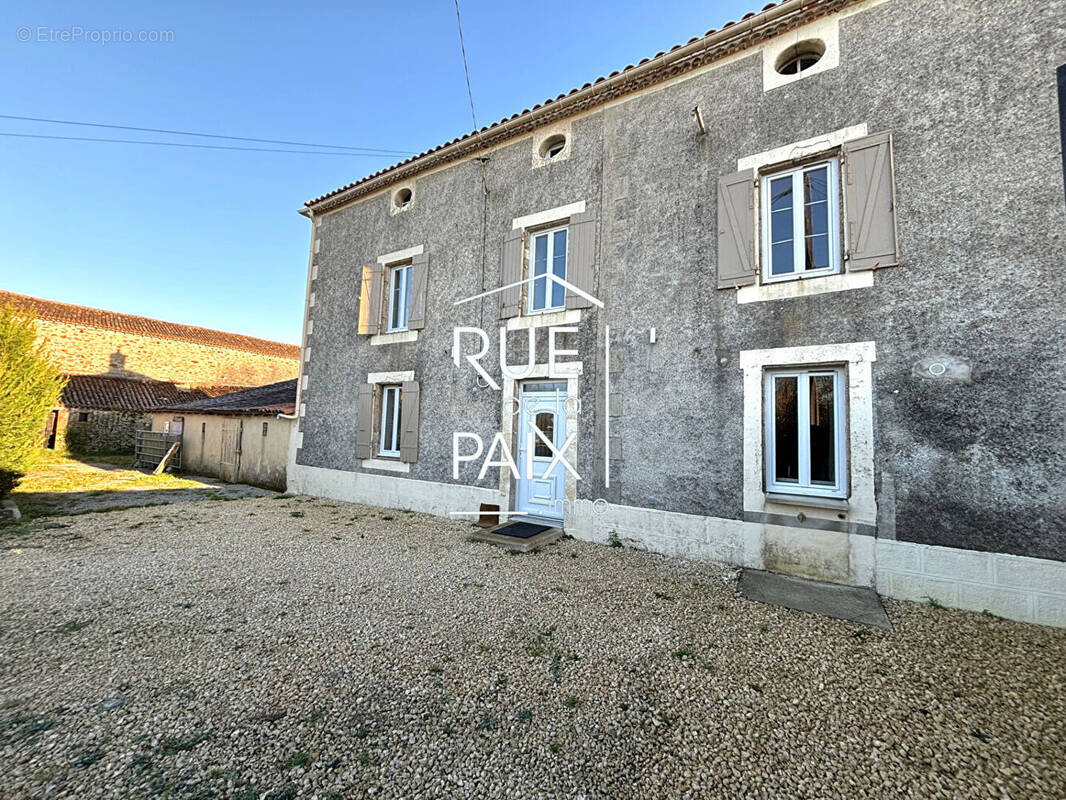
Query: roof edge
x=731, y=38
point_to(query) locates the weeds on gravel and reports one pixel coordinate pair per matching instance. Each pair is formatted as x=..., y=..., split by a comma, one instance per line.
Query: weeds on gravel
x=663, y=596
x=181, y=744
x=88, y=757
x=613, y=539
x=553, y=748
x=21, y=727
x=297, y=759
x=296, y=513
x=435, y=669
x=73, y=626
x=487, y=723
x=571, y=702
x=525, y=715
x=683, y=652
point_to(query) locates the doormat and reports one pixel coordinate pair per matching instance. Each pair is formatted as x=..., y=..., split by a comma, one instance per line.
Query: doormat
x=521, y=530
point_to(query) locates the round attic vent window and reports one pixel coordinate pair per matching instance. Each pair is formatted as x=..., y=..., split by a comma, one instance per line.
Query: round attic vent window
x=800, y=57
x=552, y=146
x=402, y=198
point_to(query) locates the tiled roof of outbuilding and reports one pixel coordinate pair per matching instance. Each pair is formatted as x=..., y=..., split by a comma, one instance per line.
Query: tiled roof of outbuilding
x=773, y=19
x=274, y=398
x=113, y=393
x=145, y=326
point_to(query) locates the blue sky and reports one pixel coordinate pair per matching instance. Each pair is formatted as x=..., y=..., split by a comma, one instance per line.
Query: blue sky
x=211, y=237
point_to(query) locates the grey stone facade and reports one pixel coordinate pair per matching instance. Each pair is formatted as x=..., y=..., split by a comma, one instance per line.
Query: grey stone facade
x=103, y=431
x=973, y=458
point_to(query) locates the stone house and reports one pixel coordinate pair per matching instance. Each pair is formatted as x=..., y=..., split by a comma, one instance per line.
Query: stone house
x=800, y=277
x=241, y=437
x=121, y=366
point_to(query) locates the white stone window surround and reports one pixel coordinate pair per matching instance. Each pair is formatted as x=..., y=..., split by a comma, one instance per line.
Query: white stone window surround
x=528, y=318
x=388, y=260
x=548, y=216
x=825, y=30
x=396, y=189
x=857, y=357
x=761, y=291
x=377, y=378
x=541, y=136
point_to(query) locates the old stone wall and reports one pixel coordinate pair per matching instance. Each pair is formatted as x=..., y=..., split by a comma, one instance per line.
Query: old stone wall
x=101, y=431
x=87, y=350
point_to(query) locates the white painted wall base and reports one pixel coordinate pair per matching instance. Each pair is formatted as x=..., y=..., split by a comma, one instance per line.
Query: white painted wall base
x=820, y=555
x=1015, y=587
x=392, y=492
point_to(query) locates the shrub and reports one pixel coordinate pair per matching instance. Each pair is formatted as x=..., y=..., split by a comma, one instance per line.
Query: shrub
x=29, y=390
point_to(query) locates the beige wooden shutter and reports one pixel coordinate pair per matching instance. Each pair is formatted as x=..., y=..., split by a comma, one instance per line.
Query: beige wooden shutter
x=870, y=203
x=364, y=422
x=736, y=229
x=581, y=258
x=511, y=272
x=416, y=316
x=409, y=422
x=370, y=299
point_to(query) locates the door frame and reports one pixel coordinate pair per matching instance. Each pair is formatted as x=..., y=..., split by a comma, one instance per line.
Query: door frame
x=548, y=402
x=509, y=415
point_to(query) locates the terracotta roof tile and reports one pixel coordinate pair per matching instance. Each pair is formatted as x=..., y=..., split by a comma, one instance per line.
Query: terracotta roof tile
x=810, y=7
x=145, y=326
x=112, y=393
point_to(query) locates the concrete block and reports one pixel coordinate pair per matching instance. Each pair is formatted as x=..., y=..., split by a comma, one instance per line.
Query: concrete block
x=962, y=565
x=1035, y=574
x=899, y=556
x=1009, y=603
x=1050, y=610
x=920, y=589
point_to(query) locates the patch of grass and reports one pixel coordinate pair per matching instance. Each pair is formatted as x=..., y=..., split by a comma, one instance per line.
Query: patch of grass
x=571, y=702
x=435, y=669
x=487, y=723
x=286, y=792
x=314, y=716
x=296, y=513
x=683, y=652
x=73, y=626
x=764, y=628
x=553, y=748
x=977, y=733
x=934, y=602
x=297, y=759
x=663, y=596
x=181, y=744
x=87, y=758
x=525, y=715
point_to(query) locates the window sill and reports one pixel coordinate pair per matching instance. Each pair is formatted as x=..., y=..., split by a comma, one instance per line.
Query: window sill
x=810, y=501
x=385, y=464
x=396, y=337
x=544, y=319
x=803, y=287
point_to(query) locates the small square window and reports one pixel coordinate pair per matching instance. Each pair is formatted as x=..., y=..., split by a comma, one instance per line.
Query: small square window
x=547, y=257
x=389, y=439
x=399, y=297
x=801, y=222
x=83, y=416
x=805, y=432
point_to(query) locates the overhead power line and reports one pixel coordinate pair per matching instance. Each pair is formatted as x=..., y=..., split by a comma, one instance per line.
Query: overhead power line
x=190, y=144
x=365, y=150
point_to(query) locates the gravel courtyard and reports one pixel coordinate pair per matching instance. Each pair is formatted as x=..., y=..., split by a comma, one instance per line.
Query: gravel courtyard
x=289, y=647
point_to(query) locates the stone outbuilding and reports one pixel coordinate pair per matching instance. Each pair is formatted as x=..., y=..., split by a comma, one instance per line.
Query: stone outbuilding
x=121, y=366
x=242, y=437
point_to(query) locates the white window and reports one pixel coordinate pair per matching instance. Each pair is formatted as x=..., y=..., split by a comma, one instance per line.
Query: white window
x=390, y=421
x=399, y=297
x=801, y=222
x=805, y=432
x=547, y=254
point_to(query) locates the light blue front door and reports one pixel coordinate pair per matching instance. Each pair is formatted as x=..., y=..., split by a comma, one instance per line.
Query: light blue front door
x=539, y=493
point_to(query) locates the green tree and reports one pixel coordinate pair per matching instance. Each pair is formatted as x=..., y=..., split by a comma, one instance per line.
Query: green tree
x=29, y=389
